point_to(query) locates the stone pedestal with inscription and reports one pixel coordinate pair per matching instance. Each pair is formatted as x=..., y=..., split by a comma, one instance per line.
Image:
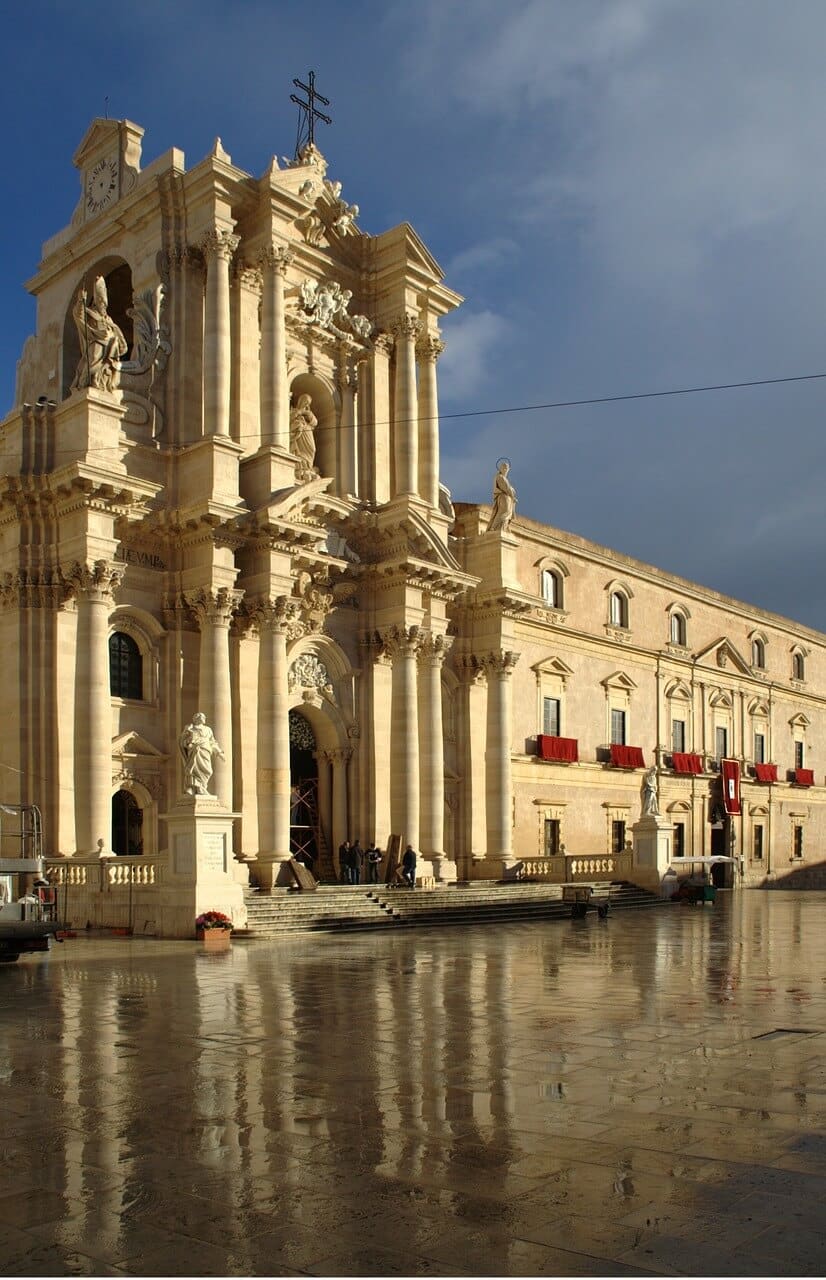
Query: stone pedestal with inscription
x=199, y=871
x=653, y=850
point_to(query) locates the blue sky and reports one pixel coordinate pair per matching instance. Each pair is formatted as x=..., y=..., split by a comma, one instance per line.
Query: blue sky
x=631, y=195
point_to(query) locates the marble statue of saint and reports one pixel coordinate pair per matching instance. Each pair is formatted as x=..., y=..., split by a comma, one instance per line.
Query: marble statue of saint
x=650, y=796
x=302, y=426
x=198, y=746
x=504, y=500
x=102, y=343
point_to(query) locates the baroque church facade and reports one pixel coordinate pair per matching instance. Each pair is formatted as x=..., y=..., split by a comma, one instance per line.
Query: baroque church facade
x=221, y=493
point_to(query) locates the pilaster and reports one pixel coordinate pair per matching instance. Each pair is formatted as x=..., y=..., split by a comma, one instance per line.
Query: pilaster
x=213, y=609
x=218, y=247
x=428, y=350
x=406, y=415
x=498, y=772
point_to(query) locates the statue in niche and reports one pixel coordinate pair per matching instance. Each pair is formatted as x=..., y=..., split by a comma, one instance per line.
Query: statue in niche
x=102, y=344
x=504, y=499
x=198, y=746
x=650, y=795
x=302, y=435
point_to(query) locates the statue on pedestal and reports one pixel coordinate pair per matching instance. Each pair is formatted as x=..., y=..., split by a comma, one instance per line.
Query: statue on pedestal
x=650, y=795
x=198, y=746
x=102, y=344
x=302, y=439
x=504, y=499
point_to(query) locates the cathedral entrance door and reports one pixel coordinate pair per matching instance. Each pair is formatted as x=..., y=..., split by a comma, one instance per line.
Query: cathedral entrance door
x=307, y=842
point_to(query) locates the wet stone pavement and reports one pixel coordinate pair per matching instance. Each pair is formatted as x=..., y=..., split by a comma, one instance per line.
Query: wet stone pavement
x=567, y=1098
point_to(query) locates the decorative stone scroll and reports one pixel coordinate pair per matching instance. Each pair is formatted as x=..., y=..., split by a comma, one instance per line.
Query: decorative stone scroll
x=308, y=672
x=324, y=306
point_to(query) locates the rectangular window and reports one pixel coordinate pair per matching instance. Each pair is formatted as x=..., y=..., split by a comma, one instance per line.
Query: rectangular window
x=759, y=748
x=617, y=836
x=798, y=755
x=550, y=717
x=679, y=839
x=797, y=848
x=757, y=843
x=678, y=735
x=551, y=837
x=721, y=741
x=618, y=728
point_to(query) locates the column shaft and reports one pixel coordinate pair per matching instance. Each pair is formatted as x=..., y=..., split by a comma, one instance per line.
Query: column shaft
x=340, y=829
x=273, y=746
x=275, y=392
x=406, y=417
x=428, y=351
x=214, y=612
x=405, y=741
x=93, y=713
x=432, y=755
x=498, y=773
x=218, y=248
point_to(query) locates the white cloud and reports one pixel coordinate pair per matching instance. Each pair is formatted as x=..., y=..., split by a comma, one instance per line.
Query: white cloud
x=466, y=366
x=485, y=256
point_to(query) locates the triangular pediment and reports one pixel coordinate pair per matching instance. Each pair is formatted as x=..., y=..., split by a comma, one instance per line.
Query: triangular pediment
x=552, y=667
x=619, y=680
x=402, y=245
x=102, y=135
x=722, y=653
x=132, y=743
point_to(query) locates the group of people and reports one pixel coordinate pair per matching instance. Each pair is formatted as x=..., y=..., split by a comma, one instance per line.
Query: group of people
x=352, y=860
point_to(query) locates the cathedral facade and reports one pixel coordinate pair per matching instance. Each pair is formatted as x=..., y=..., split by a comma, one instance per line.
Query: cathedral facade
x=221, y=494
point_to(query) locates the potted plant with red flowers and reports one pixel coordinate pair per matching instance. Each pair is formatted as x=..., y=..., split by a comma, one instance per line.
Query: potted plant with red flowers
x=214, y=929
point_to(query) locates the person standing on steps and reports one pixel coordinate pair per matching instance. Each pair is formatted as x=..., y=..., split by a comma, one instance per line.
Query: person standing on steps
x=356, y=861
x=344, y=862
x=409, y=866
x=373, y=863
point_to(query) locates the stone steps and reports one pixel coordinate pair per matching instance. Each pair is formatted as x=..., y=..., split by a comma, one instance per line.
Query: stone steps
x=357, y=908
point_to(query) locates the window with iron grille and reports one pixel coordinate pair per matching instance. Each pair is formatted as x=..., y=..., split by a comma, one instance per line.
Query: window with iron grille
x=125, y=667
x=617, y=727
x=721, y=740
x=617, y=836
x=798, y=755
x=759, y=748
x=797, y=844
x=757, y=842
x=678, y=735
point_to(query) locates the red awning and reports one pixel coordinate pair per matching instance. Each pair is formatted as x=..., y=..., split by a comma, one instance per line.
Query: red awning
x=730, y=770
x=565, y=750
x=687, y=762
x=766, y=772
x=804, y=777
x=627, y=757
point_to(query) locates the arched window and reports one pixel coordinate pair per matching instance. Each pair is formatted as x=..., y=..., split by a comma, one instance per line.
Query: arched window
x=798, y=666
x=552, y=588
x=618, y=609
x=125, y=667
x=677, y=628
x=127, y=825
x=758, y=654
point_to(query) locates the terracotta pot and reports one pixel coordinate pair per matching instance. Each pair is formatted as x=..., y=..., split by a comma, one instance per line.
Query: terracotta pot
x=214, y=939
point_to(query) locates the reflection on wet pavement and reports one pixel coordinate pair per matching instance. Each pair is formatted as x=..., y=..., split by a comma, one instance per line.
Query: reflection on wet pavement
x=575, y=1098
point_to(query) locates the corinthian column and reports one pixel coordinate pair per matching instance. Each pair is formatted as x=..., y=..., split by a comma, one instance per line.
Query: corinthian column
x=428, y=350
x=275, y=393
x=433, y=652
x=217, y=247
x=498, y=777
x=274, y=619
x=93, y=705
x=406, y=417
x=214, y=609
x=347, y=462
x=403, y=644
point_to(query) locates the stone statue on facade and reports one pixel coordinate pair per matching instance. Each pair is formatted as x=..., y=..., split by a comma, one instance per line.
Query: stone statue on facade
x=102, y=344
x=504, y=500
x=650, y=795
x=198, y=746
x=302, y=435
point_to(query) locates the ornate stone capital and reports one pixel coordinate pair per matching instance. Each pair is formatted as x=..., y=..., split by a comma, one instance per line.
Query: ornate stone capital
x=98, y=581
x=213, y=607
x=33, y=589
x=383, y=343
x=434, y=649
x=471, y=668
x=275, y=258
x=219, y=244
x=429, y=348
x=406, y=327
x=249, y=277
x=501, y=664
x=401, y=642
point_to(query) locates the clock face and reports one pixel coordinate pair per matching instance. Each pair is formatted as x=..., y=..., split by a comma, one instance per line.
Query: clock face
x=101, y=185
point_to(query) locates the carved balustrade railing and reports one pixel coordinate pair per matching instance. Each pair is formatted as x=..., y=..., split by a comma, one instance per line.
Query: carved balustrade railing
x=103, y=875
x=564, y=868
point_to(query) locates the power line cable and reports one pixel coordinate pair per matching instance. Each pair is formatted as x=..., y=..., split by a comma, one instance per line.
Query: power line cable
x=524, y=408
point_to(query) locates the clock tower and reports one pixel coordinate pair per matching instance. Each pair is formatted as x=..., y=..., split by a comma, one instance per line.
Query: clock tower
x=109, y=162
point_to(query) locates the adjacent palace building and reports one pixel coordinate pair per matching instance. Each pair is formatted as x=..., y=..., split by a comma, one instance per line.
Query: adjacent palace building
x=220, y=493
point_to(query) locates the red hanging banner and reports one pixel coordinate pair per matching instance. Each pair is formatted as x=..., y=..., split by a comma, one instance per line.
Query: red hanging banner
x=731, y=785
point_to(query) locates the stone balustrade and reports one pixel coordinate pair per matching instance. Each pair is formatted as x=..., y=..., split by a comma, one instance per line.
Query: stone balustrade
x=564, y=868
